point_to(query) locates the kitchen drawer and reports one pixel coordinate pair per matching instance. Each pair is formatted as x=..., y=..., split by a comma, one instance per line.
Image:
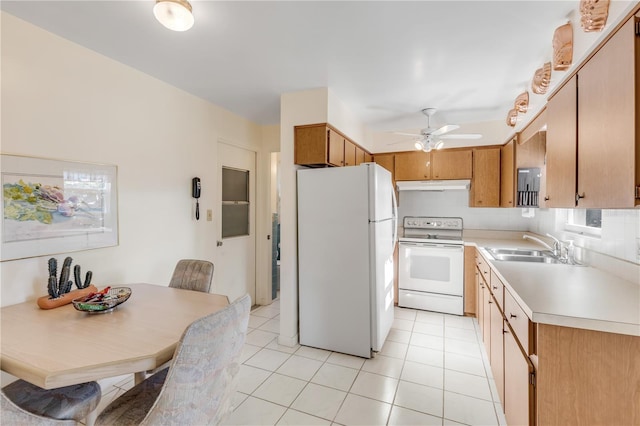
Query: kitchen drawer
x=497, y=289
x=483, y=267
x=519, y=322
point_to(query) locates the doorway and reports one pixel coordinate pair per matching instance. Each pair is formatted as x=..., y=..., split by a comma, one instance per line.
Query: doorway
x=236, y=222
x=274, y=191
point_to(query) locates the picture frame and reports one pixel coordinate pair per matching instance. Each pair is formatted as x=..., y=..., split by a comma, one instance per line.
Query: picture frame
x=55, y=206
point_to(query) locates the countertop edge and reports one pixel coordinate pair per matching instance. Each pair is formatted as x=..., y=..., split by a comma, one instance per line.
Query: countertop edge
x=554, y=319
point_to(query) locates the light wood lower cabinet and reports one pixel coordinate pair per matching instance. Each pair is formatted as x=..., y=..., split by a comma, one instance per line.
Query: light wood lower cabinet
x=496, y=355
x=518, y=390
x=470, y=284
x=587, y=377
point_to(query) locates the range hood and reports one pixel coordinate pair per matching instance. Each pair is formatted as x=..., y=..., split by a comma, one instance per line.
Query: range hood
x=433, y=185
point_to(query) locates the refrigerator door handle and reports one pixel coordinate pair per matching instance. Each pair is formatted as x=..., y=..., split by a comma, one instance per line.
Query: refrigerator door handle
x=395, y=219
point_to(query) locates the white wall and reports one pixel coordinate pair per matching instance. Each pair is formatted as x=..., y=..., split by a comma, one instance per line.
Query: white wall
x=62, y=101
x=620, y=236
x=306, y=107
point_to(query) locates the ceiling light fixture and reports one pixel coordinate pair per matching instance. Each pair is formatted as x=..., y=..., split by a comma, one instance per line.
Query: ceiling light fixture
x=174, y=14
x=428, y=144
x=521, y=103
x=512, y=117
x=541, y=79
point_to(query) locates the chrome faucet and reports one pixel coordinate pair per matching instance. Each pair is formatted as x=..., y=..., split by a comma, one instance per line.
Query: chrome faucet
x=555, y=249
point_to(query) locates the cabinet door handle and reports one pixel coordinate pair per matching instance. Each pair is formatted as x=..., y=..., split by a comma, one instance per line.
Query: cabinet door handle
x=578, y=197
x=495, y=287
x=546, y=198
x=490, y=302
x=512, y=316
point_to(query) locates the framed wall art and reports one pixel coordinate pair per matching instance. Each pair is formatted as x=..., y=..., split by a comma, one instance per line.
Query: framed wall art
x=53, y=206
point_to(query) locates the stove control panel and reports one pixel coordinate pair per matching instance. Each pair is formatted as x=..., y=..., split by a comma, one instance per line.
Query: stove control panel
x=421, y=222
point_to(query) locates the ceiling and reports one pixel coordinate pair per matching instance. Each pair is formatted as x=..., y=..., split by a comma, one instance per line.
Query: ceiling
x=386, y=60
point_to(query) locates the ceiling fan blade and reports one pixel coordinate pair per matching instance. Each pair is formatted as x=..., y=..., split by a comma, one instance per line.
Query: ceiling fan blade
x=407, y=134
x=404, y=141
x=445, y=129
x=462, y=136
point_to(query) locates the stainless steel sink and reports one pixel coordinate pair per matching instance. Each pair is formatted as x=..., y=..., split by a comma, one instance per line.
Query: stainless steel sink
x=520, y=252
x=524, y=258
x=522, y=255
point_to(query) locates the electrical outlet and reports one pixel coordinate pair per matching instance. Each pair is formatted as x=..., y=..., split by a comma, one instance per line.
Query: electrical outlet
x=209, y=215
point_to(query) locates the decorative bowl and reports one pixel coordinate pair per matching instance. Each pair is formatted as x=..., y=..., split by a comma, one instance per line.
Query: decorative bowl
x=102, y=302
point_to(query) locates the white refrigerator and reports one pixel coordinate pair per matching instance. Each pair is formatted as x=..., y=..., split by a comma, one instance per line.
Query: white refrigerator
x=347, y=231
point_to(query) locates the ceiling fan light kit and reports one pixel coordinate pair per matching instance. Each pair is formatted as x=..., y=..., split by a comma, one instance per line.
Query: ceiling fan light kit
x=175, y=15
x=593, y=14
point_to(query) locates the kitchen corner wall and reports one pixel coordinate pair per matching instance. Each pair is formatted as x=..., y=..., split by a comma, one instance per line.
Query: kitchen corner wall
x=620, y=228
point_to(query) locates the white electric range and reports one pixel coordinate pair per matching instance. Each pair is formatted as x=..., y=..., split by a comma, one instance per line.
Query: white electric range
x=431, y=264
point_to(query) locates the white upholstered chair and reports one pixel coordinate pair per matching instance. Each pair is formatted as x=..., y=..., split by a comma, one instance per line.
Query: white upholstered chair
x=198, y=386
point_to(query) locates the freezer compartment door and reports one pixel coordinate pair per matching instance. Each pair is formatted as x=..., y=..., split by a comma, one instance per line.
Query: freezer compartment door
x=382, y=312
x=382, y=205
x=431, y=302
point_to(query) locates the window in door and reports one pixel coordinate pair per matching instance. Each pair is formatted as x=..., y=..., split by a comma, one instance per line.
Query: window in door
x=235, y=202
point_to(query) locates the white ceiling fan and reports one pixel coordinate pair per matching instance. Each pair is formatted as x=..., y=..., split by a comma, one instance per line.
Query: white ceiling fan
x=430, y=138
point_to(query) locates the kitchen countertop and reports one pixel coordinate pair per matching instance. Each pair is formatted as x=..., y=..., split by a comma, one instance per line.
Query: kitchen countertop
x=565, y=295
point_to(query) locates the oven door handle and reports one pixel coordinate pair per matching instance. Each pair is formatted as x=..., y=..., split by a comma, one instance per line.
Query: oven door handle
x=428, y=245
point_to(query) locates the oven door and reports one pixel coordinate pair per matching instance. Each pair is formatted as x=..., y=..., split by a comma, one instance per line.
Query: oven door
x=433, y=268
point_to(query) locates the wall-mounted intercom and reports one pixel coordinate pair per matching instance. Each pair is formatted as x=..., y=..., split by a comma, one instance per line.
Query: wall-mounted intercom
x=195, y=193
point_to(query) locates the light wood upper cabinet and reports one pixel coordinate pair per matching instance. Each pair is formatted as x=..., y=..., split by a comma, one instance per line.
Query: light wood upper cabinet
x=320, y=145
x=562, y=146
x=336, y=148
x=485, y=185
x=368, y=158
x=507, y=174
x=531, y=152
x=387, y=161
x=608, y=133
x=349, y=153
x=413, y=165
x=360, y=155
x=451, y=164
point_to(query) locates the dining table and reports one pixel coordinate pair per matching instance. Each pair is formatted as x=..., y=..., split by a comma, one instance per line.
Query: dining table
x=63, y=346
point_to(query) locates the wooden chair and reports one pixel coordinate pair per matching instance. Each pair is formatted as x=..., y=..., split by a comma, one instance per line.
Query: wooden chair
x=191, y=274
x=198, y=386
x=27, y=404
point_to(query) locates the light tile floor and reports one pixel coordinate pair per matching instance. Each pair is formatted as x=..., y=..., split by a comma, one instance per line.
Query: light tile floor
x=432, y=370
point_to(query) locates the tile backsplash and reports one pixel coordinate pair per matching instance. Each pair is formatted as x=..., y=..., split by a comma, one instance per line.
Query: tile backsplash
x=620, y=228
